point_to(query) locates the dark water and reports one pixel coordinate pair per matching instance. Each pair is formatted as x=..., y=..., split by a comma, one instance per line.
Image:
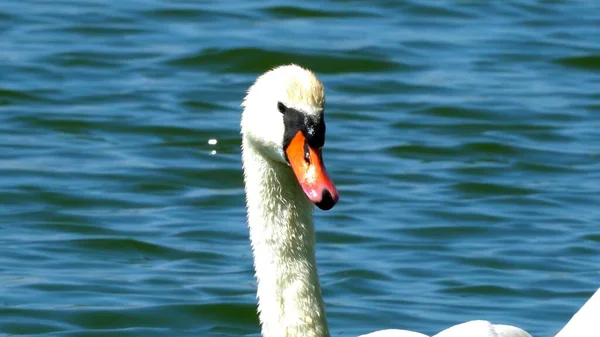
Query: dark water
x=463, y=136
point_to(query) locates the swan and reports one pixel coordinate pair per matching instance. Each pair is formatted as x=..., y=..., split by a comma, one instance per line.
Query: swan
x=283, y=133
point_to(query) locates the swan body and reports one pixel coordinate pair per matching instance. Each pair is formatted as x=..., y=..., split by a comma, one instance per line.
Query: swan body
x=283, y=131
x=472, y=328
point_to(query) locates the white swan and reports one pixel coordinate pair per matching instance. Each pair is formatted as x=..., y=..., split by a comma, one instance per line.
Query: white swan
x=283, y=131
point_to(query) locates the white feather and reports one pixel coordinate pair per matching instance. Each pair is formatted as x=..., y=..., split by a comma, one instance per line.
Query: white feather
x=472, y=328
x=586, y=322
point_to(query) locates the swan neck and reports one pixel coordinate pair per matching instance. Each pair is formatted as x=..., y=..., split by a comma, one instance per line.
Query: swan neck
x=283, y=240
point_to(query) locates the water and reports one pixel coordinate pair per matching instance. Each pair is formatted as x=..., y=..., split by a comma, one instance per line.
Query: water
x=462, y=135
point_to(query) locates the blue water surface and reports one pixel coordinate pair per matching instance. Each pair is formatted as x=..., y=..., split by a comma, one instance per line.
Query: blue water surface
x=462, y=135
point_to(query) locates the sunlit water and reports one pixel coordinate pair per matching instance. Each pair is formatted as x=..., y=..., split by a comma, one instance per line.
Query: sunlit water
x=462, y=135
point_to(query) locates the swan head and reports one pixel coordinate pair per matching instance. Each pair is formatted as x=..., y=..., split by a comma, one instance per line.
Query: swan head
x=283, y=119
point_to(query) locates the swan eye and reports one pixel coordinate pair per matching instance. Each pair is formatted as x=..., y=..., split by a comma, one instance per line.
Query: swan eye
x=281, y=107
x=306, y=153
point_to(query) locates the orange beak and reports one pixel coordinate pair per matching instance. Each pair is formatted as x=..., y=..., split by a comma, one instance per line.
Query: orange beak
x=307, y=164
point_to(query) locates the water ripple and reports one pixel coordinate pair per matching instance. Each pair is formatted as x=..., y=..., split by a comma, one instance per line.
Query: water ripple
x=462, y=136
